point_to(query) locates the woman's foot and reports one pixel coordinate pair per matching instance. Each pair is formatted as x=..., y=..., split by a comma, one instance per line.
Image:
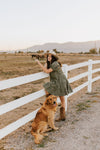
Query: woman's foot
x=62, y=115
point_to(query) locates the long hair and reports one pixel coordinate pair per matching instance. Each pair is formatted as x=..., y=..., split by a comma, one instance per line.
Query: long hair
x=52, y=60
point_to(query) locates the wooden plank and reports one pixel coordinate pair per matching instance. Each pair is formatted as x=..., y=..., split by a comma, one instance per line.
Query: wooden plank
x=78, y=88
x=20, y=102
x=95, y=79
x=17, y=124
x=22, y=80
x=96, y=62
x=96, y=70
x=78, y=77
x=71, y=67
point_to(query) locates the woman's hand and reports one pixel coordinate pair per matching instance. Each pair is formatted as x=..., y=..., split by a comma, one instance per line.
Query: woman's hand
x=37, y=60
x=43, y=68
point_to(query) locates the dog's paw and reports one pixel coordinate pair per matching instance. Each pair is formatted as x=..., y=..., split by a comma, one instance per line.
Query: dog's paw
x=45, y=134
x=55, y=128
x=37, y=142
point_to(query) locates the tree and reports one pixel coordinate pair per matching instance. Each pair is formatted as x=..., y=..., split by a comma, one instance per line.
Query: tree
x=40, y=51
x=93, y=51
x=55, y=50
x=99, y=50
x=47, y=51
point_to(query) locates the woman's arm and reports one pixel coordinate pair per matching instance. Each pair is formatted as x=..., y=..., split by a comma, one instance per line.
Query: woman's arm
x=45, y=65
x=44, y=68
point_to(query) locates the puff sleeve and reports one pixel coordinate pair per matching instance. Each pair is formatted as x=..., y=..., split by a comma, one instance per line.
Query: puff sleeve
x=55, y=66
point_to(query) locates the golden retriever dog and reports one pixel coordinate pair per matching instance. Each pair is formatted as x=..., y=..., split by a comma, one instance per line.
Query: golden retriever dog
x=44, y=118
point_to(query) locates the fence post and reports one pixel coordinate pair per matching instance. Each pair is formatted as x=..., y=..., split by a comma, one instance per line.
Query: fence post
x=90, y=75
x=66, y=74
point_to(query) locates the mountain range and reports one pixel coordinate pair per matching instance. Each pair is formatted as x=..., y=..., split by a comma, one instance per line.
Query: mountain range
x=68, y=47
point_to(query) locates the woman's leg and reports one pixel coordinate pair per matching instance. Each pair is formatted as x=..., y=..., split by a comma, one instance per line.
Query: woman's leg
x=62, y=109
x=47, y=94
x=62, y=98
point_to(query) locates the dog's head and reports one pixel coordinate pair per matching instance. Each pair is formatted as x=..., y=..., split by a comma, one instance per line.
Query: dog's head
x=51, y=101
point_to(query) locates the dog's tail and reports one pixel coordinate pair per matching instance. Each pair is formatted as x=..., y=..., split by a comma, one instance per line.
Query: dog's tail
x=38, y=137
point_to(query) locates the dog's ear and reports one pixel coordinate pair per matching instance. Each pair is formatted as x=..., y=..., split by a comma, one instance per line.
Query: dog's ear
x=47, y=102
x=41, y=103
x=48, y=94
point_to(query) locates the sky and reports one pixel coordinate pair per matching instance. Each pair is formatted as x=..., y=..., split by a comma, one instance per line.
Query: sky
x=25, y=23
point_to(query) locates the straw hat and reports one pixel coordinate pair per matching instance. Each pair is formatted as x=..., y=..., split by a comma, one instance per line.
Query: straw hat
x=53, y=53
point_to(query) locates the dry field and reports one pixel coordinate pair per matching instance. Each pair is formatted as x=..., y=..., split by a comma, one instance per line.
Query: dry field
x=12, y=66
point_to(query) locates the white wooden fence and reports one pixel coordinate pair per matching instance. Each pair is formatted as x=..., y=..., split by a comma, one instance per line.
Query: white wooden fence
x=31, y=97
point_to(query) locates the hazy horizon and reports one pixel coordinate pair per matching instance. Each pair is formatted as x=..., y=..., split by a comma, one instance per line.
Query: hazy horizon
x=27, y=23
x=48, y=43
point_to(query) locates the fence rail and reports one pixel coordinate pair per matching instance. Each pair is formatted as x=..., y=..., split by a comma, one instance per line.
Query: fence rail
x=21, y=80
x=31, y=97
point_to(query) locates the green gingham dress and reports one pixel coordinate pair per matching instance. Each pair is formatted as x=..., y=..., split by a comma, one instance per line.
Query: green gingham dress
x=58, y=85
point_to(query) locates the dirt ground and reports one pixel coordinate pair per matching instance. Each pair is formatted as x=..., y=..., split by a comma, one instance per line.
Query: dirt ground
x=80, y=131
x=12, y=66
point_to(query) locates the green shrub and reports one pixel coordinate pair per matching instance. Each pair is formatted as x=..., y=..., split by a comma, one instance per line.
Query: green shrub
x=93, y=51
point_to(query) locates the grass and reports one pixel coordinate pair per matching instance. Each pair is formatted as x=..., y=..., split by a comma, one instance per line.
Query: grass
x=85, y=137
x=74, y=121
x=82, y=106
x=11, y=64
x=45, y=140
x=42, y=144
x=92, y=93
x=94, y=101
x=2, y=145
x=88, y=101
x=16, y=97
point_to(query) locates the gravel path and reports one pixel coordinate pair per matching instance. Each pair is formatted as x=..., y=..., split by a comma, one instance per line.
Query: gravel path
x=83, y=135
x=80, y=131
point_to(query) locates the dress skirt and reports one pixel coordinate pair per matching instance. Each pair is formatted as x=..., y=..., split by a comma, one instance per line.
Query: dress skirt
x=58, y=85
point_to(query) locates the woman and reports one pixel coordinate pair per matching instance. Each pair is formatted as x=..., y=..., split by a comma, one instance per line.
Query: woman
x=58, y=85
